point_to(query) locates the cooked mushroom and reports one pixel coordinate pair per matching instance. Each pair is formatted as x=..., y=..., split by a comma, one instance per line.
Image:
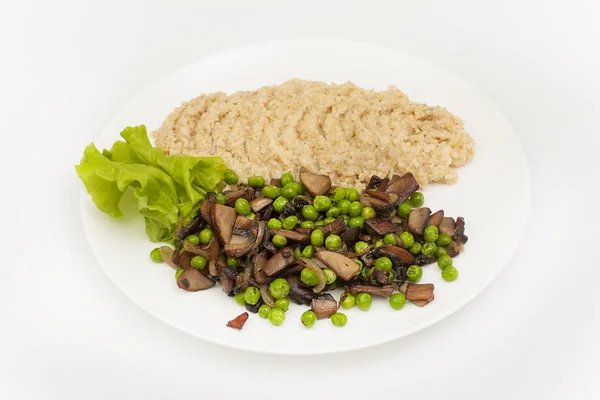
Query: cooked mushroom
x=301, y=201
x=385, y=291
x=324, y=307
x=424, y=260
x=403, y=187
x=336, y=227
x=166, y=253
x=420, y=293
x=240, y=245
x=395, y=252
x=447, y=226
x=343, y=266
x=260, y=236
x=189, y=229
x=380, y=277
x=214, y=249
x=459, y=235
x=244, y=225
x=293, y=236
x=417, y=220
x=244, y=192
x=227, y=279
x=223, y=219
x=185, y=260
x=382, y=226
x=436, y=218
x=193, y=280
x=299, y=292
x=253, y=308
x=206, y=208
x=315, y=184
x=350, y=234
x=192, y=248
x=259, y=262
x=374, y=182
x=239, y=321
x=266, y=296
x=454, y=248
x=259, y=203
x=279, y=261
x=380, y=206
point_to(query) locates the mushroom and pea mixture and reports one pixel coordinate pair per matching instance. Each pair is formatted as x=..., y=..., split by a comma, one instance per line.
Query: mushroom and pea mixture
x=269, y=244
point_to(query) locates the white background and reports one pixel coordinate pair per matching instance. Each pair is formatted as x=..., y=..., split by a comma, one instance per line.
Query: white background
x=67, y=333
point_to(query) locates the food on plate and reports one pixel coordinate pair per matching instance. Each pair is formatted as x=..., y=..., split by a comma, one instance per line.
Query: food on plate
x=341, y=131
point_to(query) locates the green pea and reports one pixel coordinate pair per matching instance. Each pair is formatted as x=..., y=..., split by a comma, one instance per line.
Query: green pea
x=415, y=248
x=368, y=213
x=330, y=276
x=279, y=204
x=195, y=240
x=310, y=213
x=279, y=240
x=276, y=316
x=290, y=222
x=251, y=216
x=286, y=179
x=317, y=238
x=347, y=300
x=363, y=301
x=206, y=235
x=378, y=243
x=282, y=304
x=322, y=203
x=355, y=209
x=263, y=311
x=178, y=273
x=431, y=233
x=320, y=223
x=274, y=223
x=328, y=220
x=297, y=252
x=367, y=272
x=428, y=249
x=272, y=192
x=333, y=242
x=351, y=194
x=290, y=190
x=256, y=181
x=308, y=318
x=307, y=225
x=403, y=210
x=389, y=239
x=198, y=262
x=338, y=193
x=308, y=252
x=339, y=319
x=333, y=212
x=279, y=288
x=414, y=273
x=450, y=274
x=346, y=219
x=443, y=240
x=407, y=239
x=440, y=251
x=383, y=263
x=230, y=178
x=360, y=246
x=242, y=206
x=308, y=277
x=239, y=298
x=252, y=295
x=344, y=205
x=220, y=198
x=356, y=222
x=444, y=262
x=301, y=188
x=233, y=262
x=360, y=263
x=417, y=199
x=155, y=255
x=397, y=301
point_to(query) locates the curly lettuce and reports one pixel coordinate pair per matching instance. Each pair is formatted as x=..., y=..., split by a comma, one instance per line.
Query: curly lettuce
x=166, y=187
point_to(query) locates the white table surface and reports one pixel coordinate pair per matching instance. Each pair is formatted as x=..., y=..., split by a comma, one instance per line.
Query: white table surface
x=67, y=333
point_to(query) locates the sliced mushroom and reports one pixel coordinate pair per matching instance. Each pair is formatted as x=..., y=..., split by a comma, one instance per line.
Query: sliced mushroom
x=315, y=184
x=336, y=227
x=244, y=225
x=436, y=218
x=382, y=226
x=299, y=292
x=424, y=260
x=192, y=248
x=166, y=253
x=405, y=257
x=206, y=207
x=260, y=237
x=214, y=248
x=324, y=308
x=380, y=277
x=266, y=296
x=279, y=261
x=350, y=234
x=259, y=262
x=228, y=276
x=253, y=308
x=185, y=259
x=293, y=236
x=239, y=321
x=223, y=219
x=454, y=248
x=417, y=220
x=243, y=192
x=344, y=267
x=385, y=291
x=240, y=245
x=420, y=291
x=447, y=226
x=193, y=280
x=189, y=229
x=403, y=187
x=459, y=235
x=259, y=203
x=380, y=206
x=423, y=303
x=374, y=182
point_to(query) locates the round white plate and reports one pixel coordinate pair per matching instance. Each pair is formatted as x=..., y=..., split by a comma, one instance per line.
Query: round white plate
x=492, y=194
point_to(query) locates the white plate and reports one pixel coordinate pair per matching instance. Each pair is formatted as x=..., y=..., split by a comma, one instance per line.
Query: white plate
x=492, y=194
